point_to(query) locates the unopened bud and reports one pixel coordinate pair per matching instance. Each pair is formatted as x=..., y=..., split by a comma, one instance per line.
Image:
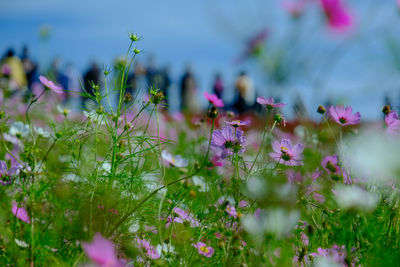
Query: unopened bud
x=133, y=37
x=156, y=96
x=386, y=109
x=278, y=118
x=212, y=112
x=136, y=51
x=128, y=98
x=321, y=109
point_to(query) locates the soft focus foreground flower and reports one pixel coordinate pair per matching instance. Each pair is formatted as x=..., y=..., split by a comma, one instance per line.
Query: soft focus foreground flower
x=176, y=161
x=50, y=84
x=237, y=123
x=335, y=256
x=19, y=129
x=225, y=143
x=344, y=116
x=151, y=251
x=287, y=154
x=185, y=216
x=355, y=197
x=203, y=249
x=392, y=122
x=101, y=251
x=213, y=99
x=254, y=45
x=373, y=157
x=20, y=213
x=269, y=102
x=294, y=8
x=338, y=17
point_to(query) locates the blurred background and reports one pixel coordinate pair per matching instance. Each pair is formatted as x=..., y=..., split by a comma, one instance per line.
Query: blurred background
x=302, y=52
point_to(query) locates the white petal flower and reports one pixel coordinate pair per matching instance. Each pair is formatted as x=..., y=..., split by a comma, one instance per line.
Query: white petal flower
x=19, y=129
x=355, y=197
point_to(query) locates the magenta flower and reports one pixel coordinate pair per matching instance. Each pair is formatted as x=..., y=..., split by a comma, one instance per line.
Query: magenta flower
x=225, y=143
x=344, y=116
x=269, y=102
x=237, y=123
x=213, y=99
x=329, y=163
x=20, y=213
x=393, y=122
x=151, y=251
x=50, y=84
x=338, y=17
x=203, y=249
x=101, y=251
x=287, y=154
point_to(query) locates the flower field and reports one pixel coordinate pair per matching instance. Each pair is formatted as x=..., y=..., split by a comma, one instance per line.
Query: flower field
x=126, y=180
x=135, y=186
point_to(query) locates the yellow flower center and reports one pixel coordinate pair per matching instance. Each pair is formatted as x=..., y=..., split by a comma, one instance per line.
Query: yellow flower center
x=204, y=249
x=284, y=148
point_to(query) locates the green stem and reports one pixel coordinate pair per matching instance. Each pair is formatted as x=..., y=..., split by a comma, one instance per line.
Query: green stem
x=129, y=213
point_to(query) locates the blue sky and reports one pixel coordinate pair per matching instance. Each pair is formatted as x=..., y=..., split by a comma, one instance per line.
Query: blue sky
x=209, y=34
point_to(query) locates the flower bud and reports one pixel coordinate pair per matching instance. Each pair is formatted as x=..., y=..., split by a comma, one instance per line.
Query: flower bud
x=128, y=98
x=321, y=109
x=278, y=118
x=133, y=37
x=156, y=96
x=136, y=51
x=2, y=114
x=386, y=109
x=212, y=112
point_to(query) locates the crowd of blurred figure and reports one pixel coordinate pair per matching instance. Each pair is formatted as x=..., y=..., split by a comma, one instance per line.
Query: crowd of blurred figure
x=25, y=73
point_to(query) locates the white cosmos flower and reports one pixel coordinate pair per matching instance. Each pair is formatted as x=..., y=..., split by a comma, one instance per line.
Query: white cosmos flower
x=176, y=161
x=63, y=110
x=19, y=129
x=41, y=132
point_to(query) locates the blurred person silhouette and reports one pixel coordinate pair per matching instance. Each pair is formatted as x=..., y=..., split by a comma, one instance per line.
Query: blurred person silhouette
x=59, y=76
x=16, y=68
x=245, y=93
x=218, y=86
x=188, y=92
x=152, y=75
x=73, y=80
x=90, y=78
x=299, y=109
x=30, y=68
x=165, y=82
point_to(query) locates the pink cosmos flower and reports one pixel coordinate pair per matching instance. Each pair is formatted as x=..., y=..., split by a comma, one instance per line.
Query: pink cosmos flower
x=101, y=251
x=151, y=251
x=203, y=249
x=237, y=123
x=338, y=17
x=344, y=116
x=215, y=163
x=50, y=84
x=231, y=211
x=213, y=99
x=20, y=213
x=269, y=102
x=225, y=143
x=393, y=122
x=185, y=216
x=287, y=154
x=329, y=163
